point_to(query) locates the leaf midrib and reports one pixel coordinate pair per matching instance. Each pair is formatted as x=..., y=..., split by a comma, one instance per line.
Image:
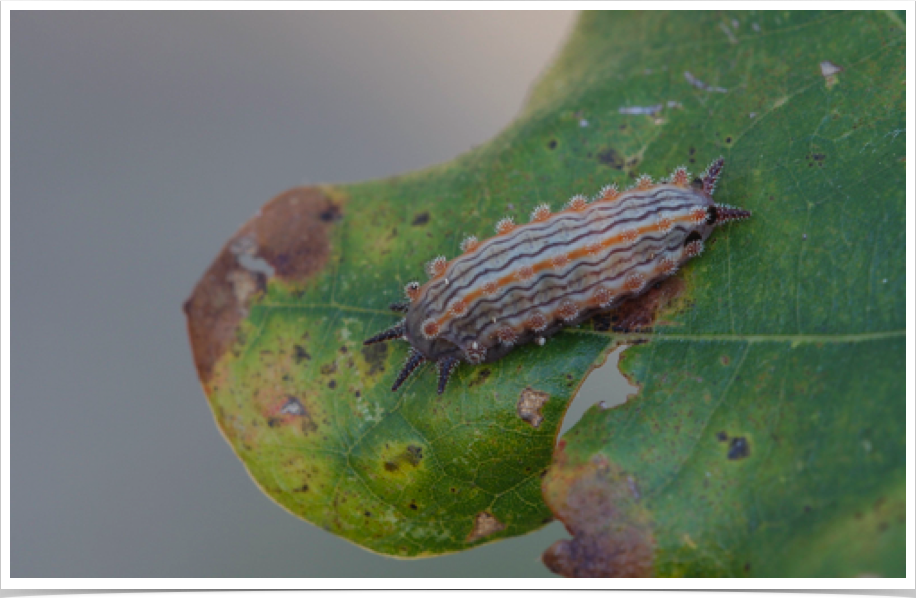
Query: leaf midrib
x=794, y=339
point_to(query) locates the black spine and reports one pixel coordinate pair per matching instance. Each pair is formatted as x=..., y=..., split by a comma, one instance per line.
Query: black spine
x=414, y=360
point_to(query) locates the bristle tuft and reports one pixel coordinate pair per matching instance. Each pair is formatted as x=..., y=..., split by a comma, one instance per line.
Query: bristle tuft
x=437, y=266
x=536, y=322
x=469, y=244
x=577, y=203
x=609, y=193
x=505, y=225
x=540, y=213
x=634, y=282
x=506, y=335
x=643, y=182
x=693, y=249
x=667, y=266
x=567, y=311
x=680, y=177
x=412, y=290
x=603, y=297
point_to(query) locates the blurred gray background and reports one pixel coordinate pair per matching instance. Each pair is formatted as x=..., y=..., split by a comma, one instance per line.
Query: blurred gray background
x=140, y=142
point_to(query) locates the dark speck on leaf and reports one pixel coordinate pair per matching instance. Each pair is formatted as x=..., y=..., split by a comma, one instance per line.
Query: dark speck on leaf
x=552, y=144
x=300, y=353
x=738, y=449
x=328, y=368
x=721, y=436
x=420, y=219
x=611, y=157
x=414, y=454
x=331, y=214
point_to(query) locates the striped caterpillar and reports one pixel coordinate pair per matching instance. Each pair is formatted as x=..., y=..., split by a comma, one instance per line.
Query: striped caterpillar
x=531, y=280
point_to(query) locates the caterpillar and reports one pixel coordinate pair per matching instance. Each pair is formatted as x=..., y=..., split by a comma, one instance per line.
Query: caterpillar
x=532, y=280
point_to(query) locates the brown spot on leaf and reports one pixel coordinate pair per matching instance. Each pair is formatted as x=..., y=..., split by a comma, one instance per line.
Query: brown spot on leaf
x=600, y=506
x=485, y=524
x=375, y=356
x=288, y=239
x=613, y=158
x=529, y=406
x=328, y=368
x=396, y=460
x=640, y=313
x=414, y=454
x=482, y=375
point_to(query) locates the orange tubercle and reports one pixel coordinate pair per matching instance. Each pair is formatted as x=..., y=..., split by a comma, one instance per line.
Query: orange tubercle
x=458, y=308
x=412, y=290
x=430, y=329
x=504, y=226
x=536, y=322
x=437, y=266
x=470, y=244
x=540, y=213
x=577, y=203
x=609, y=193
x=602, y=297
x=680, y=177
x=567, y=310
x=634, y=282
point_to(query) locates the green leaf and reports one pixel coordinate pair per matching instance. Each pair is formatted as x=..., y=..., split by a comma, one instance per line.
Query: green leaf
x=768, y=436
x=277, y=322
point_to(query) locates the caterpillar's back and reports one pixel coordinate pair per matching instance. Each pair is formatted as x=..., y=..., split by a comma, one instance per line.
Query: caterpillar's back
x=531, y=280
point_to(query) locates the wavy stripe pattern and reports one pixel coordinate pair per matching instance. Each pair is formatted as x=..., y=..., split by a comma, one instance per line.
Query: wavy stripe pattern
x=566, y=265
